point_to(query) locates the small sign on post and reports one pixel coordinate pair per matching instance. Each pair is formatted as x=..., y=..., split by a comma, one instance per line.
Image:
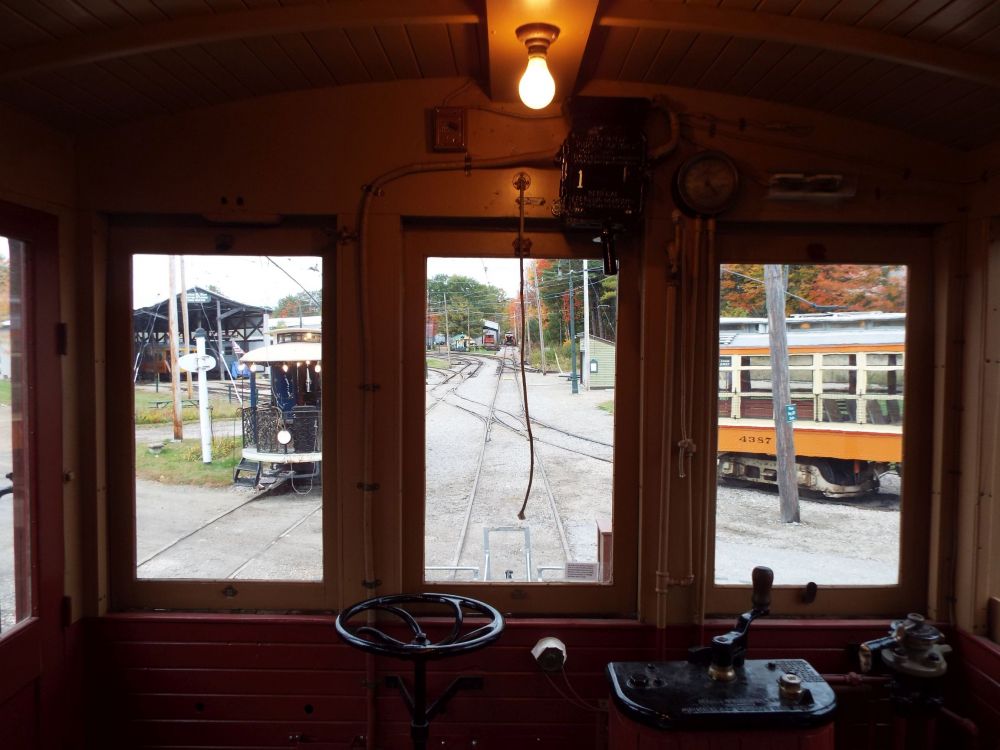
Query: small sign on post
x=791, y=412
x=201, y=363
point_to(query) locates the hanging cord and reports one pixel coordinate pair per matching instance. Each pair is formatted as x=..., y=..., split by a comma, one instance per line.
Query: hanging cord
x=371, y=190
x=522, y=183
x=686, y=446
x=538, y=158
x=664, y=578
x=574, y=697
x=710, y=422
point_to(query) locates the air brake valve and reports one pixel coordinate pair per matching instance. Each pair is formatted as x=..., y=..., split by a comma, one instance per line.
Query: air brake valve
x=913, y=655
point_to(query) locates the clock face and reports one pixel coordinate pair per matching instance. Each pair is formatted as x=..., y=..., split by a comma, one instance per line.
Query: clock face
x=707, y=183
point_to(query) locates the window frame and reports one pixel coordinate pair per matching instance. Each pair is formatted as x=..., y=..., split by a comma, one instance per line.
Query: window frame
x=903, y=246
x=619, y=598
x=130, y=236
x=32, y=648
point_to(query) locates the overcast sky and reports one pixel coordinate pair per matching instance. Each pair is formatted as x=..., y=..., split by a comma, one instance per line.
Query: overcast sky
x=256, y=280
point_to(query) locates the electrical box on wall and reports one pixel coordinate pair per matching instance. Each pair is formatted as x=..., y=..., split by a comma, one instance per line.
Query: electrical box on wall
x=603, y=163
x=448, y=129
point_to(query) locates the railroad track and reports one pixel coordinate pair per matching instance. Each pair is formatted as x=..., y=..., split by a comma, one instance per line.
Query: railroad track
x=482, y=507
x=291, y=513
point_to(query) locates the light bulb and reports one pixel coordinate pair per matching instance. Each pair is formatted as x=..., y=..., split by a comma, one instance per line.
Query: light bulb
x=319, y=368
x=284, y=368
x=537, y=87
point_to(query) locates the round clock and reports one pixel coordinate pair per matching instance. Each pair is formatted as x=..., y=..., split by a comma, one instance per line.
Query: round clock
x=706, y=184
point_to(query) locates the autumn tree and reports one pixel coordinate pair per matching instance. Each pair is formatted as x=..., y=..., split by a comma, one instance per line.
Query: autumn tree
x=814, y=288
x=554, y=285
x=469, y=303
x=299, y=304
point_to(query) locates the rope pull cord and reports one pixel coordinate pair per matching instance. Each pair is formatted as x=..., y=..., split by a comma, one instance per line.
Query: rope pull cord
x=521, y=182
x=686, y=446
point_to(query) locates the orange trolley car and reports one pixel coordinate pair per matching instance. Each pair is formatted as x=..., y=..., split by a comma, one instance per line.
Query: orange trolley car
x=847, y=390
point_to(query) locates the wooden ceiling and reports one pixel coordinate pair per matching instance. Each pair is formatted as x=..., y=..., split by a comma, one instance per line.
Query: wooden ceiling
x=927, y=67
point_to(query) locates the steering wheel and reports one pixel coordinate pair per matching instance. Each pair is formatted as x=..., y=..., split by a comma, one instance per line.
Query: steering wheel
x=420, y=646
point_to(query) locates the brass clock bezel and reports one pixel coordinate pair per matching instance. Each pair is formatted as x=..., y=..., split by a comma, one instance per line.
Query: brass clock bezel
x=692, y=205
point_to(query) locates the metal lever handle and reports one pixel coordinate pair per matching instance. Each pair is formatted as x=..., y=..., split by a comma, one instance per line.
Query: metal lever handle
x=763, y=579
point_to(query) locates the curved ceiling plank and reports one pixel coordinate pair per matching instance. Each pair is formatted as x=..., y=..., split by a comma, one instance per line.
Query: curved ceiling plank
x=193, y=30
x=804, y=32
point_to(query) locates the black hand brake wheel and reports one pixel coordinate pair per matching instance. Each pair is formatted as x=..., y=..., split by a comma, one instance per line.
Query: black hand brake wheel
x=420, y=647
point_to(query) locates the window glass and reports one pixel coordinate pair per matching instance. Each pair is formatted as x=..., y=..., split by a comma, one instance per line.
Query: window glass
x=477, y=462
x=842, y=366
x=15, y=523
x=228, y=397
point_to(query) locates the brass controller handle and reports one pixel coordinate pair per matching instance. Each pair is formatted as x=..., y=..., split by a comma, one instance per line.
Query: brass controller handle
x=763, y=579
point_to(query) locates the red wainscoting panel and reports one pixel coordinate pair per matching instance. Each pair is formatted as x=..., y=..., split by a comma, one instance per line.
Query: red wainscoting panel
x=171, y=681
x=976, y=686
x=18, y=718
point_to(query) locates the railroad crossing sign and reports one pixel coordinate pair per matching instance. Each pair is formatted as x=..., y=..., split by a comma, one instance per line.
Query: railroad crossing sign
x=199, y=362
x=791, y=412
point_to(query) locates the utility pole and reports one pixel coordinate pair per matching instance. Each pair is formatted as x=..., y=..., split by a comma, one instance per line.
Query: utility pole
x=447, y=333
x=586, y=325
x=175, y=380
x=572, y=335
x=186, y=314
x=538, y=308
x=788, y=489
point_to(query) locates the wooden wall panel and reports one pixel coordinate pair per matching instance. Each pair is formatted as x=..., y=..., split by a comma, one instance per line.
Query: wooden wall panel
x=396, y=43
x=281, y=65
x=339, y=56
x=979, y=683
x=783, y=71
x=173, y=681
x=172, y=65
x=240, y=62
x=465, y=43
x=730, y=61
x=432, y=46
x=952, y=16
x=371, y=52
x=975, y=34
x=766, y=57
x=698, y=59
x=673, y=50
x=208, y=67
x=18, y=717
x=144, y=11
x=617, y=43
x=850, y=11
x=645, y=46
x=297, y=47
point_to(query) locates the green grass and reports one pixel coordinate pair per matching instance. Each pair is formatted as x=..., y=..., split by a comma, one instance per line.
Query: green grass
x=608, y=406
x=439, y=363
x=147, y=411
x=180, y=463
x=5, y=392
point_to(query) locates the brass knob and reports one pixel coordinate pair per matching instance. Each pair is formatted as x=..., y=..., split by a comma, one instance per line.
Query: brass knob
x=789, y=685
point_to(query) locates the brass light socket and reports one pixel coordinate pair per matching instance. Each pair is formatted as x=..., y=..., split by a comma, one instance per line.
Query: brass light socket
x=537, y=36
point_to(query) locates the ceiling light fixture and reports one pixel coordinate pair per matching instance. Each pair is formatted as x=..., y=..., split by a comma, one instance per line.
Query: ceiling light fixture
x=537, y=87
